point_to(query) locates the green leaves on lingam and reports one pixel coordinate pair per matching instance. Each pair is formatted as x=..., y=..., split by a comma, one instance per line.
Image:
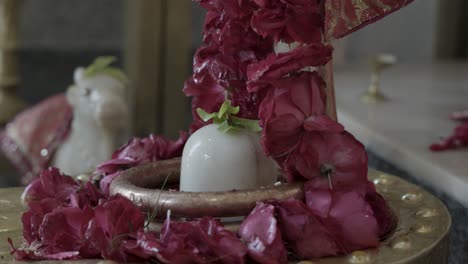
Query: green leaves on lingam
x=101, y=65
x=227, y=121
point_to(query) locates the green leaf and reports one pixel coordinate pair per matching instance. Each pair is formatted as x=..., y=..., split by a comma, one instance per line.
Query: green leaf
x=98, y=64
x=101, y=65
x=205, y=116
x=226, y=120
x=104, y=61
x=224, y=126
x=217, y=120
x=115, y=73
x=249, y=124
x=234, y=110
x=225, y=107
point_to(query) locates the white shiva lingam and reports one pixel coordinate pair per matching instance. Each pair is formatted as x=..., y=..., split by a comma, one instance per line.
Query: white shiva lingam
x=225, y=155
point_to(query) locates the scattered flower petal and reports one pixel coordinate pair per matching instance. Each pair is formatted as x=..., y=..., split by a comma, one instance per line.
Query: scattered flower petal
x=306, y=235
x=201, y=241
x=458, y=139
x=261, y=232
x=114, y=220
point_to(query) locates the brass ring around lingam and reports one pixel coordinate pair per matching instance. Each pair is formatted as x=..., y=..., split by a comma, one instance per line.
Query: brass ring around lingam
x=142, y=185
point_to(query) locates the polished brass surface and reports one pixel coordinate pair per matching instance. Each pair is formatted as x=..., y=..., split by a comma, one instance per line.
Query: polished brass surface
x=420, y=238
x=10, y=103
x=378, y=63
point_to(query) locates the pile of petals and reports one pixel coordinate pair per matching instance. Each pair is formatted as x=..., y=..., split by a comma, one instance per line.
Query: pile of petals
x=220, y=65
x=285, y=91
x=459, y=138
x=139, y=151
x=67, y=219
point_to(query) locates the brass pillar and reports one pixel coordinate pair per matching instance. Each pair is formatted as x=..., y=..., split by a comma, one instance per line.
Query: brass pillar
x=10, y=104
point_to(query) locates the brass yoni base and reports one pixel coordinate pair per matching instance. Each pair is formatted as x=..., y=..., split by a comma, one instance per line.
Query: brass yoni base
x=420, y=238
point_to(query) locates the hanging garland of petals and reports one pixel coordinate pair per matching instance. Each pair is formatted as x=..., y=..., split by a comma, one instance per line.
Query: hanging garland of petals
x=289, y=110
x=288, y=20
x=220, y=65
x=342, y=212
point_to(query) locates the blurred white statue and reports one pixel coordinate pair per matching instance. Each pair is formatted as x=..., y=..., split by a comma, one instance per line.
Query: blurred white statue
x=75, y=131
x=100, y=120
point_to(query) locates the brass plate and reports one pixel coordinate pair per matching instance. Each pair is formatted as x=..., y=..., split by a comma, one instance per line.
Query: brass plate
x=420, y=238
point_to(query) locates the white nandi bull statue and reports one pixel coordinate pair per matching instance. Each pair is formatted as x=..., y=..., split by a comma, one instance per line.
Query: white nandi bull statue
x=73, y=131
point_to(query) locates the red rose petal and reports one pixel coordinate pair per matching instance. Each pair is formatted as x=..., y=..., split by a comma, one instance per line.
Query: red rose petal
x=345, y=156
x=200, y=241
x=382, y=212
x=261, y=232
x=276, y=66
x=306, y=234
x=354, y=216
x=288, y=108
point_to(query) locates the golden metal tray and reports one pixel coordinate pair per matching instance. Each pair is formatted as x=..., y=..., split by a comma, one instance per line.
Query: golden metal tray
x=422, y=235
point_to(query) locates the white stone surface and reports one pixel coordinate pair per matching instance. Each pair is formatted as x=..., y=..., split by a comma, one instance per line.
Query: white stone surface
x=216, y=161
x=421, y=99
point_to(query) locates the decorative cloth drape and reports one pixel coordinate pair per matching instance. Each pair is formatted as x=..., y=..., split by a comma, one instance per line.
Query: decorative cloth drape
x=343, y=17
x=31, y=139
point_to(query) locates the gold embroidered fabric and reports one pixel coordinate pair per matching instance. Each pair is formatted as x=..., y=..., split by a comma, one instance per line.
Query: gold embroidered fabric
x=345, y=16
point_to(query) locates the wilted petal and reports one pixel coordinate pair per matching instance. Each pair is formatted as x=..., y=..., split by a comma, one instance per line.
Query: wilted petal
x=276, y=66
x=322, y=123
x=50, y=184
x=331, y=160
x=356, y=220
x=261, y=232
x=292, y=101
x=458, y=139
x=113, y=220
x=383, y=214
x=201, y=241
x=289, y=21
x=306, y=234
x=139, y=151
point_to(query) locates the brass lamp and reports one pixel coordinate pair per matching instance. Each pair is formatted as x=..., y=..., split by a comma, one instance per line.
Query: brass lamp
x=378, y=63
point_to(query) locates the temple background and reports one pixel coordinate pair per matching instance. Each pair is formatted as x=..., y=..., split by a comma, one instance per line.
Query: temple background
x=88, y=25
x=55, y=36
